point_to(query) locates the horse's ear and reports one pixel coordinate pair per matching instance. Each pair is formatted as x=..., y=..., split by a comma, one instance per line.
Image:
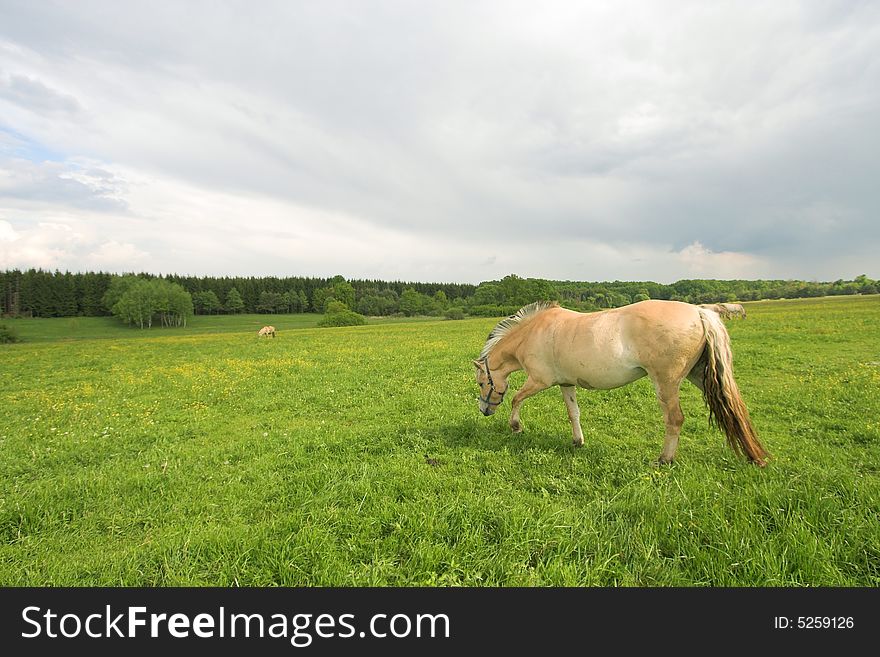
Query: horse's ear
x=478, y=364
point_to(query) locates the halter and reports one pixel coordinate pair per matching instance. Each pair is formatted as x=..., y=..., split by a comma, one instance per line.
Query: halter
x=492, y=388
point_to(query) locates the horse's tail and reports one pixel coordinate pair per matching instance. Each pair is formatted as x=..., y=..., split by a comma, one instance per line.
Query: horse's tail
x=727, y=410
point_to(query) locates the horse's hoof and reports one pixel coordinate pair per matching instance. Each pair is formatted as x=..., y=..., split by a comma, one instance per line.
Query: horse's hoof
x=516, y=427
x=577, y=443
x=662, y=461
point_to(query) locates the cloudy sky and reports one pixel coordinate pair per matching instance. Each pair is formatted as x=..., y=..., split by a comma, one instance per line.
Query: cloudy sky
x=442, y=140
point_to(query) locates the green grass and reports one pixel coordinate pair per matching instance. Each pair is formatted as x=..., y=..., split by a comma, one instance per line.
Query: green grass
x=40, y=329
x=208, y=456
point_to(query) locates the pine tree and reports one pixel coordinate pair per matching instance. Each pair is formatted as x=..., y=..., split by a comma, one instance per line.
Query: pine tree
x=234, y=302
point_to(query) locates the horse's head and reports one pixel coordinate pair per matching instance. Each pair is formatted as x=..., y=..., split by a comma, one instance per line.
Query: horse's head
x=491, y=390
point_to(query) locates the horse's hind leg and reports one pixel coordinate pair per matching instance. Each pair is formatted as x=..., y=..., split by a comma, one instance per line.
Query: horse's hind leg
x=668, y=397
x=574, y=414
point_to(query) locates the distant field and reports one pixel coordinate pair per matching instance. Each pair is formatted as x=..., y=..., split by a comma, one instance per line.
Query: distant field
x=207, y=456
x=40, y=329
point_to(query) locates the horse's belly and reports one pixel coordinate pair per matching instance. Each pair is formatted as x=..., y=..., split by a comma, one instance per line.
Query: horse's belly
x=605, y=380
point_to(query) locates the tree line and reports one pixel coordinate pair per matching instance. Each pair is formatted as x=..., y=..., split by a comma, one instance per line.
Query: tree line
x=142, y=299
x=41, y=293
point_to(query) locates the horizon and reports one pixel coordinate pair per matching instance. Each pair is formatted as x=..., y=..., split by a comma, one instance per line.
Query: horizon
x=635, y=141
x=425, y=282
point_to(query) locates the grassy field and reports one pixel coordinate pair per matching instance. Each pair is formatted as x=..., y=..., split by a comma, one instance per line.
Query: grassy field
x=93, y=328
x=207, y=456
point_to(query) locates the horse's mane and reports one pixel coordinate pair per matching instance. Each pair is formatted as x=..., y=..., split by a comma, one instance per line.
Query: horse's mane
x=507, y=324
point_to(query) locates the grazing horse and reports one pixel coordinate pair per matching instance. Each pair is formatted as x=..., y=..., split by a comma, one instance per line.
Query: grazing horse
x=726, y=310
x=734, y=309
x=267, y=331
x=716, y=308
x=667, y=341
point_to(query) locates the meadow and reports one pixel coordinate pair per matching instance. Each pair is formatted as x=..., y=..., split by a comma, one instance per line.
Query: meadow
x=357, y=456
x=41, y=329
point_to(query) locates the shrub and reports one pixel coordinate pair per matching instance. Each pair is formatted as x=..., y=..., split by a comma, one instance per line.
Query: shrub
x=342, y=318
x=492, y=310
x=454, y=313
x=8, y=334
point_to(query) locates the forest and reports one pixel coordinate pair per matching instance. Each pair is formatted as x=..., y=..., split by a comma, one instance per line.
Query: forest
x=40, y=293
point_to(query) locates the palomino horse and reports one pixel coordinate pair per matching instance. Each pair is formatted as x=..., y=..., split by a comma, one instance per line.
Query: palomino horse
x=734, y=309
x=716, y=308
x=666, y=340
x=267, y=331
x=726, y=310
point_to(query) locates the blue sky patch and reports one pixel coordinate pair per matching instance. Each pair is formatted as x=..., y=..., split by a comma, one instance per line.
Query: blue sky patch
x=14, y=144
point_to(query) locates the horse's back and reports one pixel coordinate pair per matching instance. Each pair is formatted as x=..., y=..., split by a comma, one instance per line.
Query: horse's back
x=650, y=318
x=614, y=347
x=652, y=336
x=659, y=311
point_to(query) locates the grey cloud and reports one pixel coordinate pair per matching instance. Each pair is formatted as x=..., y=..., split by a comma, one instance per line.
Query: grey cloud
x=745, y=128
x=36, y=96
x=52, y=182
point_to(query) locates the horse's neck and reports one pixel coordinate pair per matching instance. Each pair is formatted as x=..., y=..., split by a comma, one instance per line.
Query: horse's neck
x=503, y=358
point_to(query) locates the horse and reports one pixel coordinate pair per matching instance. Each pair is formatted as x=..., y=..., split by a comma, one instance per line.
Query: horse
x=726, y=310
x=667, y=341
x=734, y=309
x=267, y=331
x=716, y=308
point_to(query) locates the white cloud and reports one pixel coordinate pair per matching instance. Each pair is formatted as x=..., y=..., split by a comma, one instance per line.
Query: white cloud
x=705, y=263
x=47, y=245
x=7, y=233
x=116, y=256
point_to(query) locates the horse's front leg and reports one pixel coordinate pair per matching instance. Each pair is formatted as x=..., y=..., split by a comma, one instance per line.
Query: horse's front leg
x=574, y=414
x=530, y=387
